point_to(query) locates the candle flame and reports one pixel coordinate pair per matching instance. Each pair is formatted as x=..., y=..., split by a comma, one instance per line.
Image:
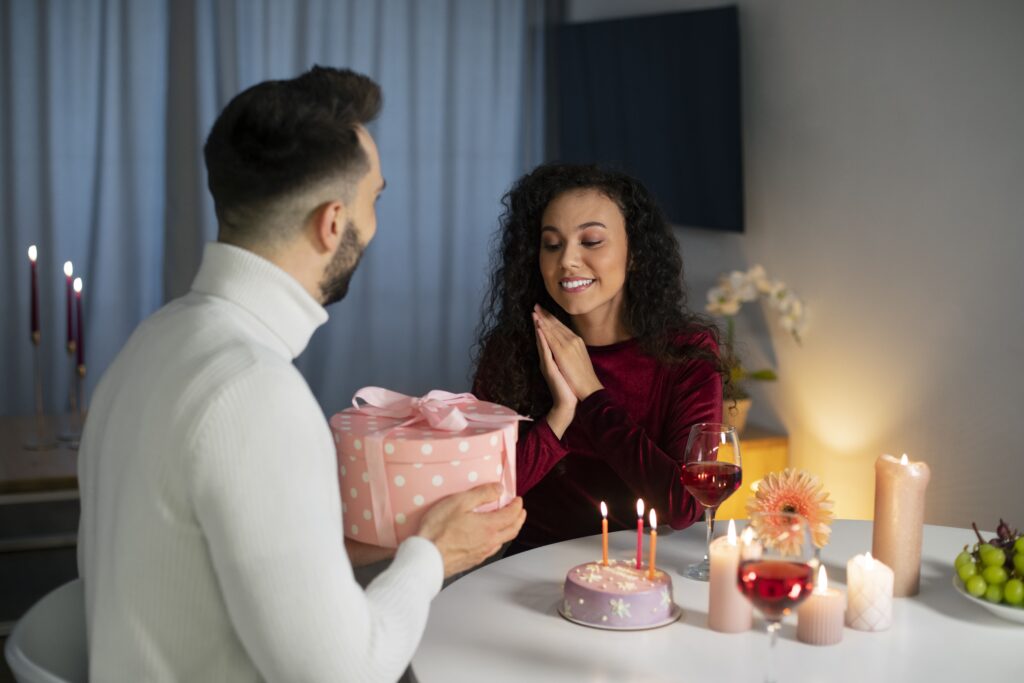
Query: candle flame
x=731, y=536
x=640, y=508
x=755, y=486
x=654, y=519
x=903, y=460
x=69, y=269
x=747, y=535
x=32, y=253
x=822, y=586
x=604, y=510
x=78, y=285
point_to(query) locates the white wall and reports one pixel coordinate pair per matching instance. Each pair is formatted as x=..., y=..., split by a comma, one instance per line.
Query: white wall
x=884, y=162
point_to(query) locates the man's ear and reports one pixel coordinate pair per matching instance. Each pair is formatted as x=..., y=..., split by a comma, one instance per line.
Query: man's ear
x=329, y=225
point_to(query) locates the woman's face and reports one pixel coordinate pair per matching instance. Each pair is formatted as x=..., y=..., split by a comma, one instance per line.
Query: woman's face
x=584, y=253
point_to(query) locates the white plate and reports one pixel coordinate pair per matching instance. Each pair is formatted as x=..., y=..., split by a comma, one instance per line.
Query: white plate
x=1008, y=612
x=673, y=616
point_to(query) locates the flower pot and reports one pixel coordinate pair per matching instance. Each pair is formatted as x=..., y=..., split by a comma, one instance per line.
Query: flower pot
x=734, y=413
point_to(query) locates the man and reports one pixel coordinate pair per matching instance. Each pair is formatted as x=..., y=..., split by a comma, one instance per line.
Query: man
x=211, y=538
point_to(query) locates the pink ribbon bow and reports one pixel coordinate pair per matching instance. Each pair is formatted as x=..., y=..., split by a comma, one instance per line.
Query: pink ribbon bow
x=438, y=408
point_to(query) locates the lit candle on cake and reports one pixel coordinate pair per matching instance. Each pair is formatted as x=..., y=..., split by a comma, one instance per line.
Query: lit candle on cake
x=33, y=254
x=639, y=532
x=820, y=617
x=654, y=543
x=604, y=534
x=69, y=270
x=899, y=519
x=869, y=594
x=728, y=610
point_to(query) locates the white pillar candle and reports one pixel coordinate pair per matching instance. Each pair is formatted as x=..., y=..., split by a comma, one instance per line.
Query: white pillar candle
x=869, y=594
x=728, y=610
x=899, y=519
x=820, y=617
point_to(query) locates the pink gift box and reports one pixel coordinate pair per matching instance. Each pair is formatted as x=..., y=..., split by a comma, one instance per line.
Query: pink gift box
x=398, y=454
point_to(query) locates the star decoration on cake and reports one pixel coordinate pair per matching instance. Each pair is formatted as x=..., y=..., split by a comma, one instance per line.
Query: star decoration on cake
x=591, y=577
x=620, y=608
x=626, y=585
x=666, y=599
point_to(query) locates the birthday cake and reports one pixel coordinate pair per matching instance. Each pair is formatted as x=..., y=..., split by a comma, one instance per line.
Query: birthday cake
x=617, y=596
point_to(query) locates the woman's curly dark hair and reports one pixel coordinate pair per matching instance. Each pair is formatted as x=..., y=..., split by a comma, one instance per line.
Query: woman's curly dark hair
x=506, y=357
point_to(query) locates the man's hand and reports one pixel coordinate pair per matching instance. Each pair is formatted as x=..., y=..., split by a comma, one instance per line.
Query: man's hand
x=466, y=538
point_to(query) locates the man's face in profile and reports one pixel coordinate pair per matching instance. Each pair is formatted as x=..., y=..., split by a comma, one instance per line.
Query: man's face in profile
x=359, y=229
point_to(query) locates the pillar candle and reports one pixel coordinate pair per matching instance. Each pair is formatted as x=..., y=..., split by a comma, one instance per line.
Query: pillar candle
x=69, y=270
x=80, y=346
x=820, y=616
x=604, y=534
x=639, y=532
x=899, y=519
x=33, y=254
x=728, y=610
x=869, y=586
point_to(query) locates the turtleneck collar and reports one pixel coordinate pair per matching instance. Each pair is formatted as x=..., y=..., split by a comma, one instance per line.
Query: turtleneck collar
x=263, y=289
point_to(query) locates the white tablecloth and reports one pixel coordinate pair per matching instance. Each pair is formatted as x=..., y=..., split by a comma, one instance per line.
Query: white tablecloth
x=500, y=624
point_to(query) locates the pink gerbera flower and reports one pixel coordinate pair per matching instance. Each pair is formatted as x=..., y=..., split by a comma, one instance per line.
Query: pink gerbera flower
x=796, y=492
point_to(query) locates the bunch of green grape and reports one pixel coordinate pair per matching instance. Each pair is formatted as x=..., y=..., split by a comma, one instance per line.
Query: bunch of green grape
x=994, y=570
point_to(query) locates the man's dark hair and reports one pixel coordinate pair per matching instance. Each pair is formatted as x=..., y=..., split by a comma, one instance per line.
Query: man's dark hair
x=279, y=139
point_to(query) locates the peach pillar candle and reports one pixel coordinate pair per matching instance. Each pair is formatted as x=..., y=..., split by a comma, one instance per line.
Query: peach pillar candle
x=728, y=610
x=604, y=534
x=654, y=544
x=820, y=617
x=869, y=594
x=639, y=532
x=899, y=519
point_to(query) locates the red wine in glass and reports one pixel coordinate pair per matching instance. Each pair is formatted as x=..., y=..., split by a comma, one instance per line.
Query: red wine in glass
x=775, y=587
x=711, y=482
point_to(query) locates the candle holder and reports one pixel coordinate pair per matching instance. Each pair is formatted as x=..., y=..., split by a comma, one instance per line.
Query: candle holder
x=40, y=438
x=71, y=430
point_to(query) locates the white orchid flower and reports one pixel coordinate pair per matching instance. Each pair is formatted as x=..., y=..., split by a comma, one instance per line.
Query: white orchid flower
x=760, y=279
x=742, y=285
x=722, y=301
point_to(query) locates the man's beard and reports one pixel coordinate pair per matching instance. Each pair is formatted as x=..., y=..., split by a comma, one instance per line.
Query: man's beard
x=334, y=285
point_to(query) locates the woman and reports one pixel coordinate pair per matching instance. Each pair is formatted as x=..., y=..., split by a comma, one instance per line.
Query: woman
x=586, y=331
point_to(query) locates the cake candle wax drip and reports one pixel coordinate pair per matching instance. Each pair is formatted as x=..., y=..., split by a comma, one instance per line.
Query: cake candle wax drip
x=604, y=534
x=869, y=599
x=639, y=532
x=728, y=610
x=820, y=617
x=900, y=487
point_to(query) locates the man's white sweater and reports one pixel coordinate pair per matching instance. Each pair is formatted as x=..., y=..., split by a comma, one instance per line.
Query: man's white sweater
x=211, y=532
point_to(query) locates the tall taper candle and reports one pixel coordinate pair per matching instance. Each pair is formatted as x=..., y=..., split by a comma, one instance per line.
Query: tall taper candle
x=69, y=270
x=728, y=610
x=899, y=519
x=33, y=254
x=639, y=532
x=80, y=346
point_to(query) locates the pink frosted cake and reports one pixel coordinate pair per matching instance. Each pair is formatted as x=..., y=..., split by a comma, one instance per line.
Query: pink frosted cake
x=618, y=596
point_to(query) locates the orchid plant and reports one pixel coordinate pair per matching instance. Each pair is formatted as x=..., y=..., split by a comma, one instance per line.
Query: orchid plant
x=737, y=288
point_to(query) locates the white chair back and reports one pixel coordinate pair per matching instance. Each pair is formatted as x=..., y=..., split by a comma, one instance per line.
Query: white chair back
x=48, y=644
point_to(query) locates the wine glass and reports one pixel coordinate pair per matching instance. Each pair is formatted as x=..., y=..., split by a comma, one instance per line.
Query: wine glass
x=776, y=569
x=711, y=473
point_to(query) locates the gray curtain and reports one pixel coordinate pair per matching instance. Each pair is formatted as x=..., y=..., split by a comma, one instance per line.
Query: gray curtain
x=105, y=104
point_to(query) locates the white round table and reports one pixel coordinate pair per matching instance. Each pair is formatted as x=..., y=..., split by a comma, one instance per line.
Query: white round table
x=499, y=623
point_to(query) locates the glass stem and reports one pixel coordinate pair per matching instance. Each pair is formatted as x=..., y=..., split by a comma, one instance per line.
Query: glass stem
x=773, y=637
x=709, y=516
